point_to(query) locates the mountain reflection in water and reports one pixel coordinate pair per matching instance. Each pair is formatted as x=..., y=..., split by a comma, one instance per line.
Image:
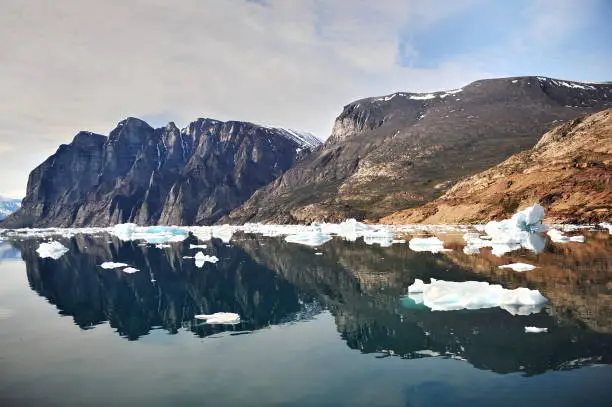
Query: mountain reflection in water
x=268, y=281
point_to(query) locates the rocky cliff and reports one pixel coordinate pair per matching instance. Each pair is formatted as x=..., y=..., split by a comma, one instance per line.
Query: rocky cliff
x=406, y=149
x=168, y=176
x=569, y=172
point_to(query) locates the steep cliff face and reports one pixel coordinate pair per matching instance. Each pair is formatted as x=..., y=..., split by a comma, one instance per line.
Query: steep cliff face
x=569, y=172
x=405, y=149
x=148, y=176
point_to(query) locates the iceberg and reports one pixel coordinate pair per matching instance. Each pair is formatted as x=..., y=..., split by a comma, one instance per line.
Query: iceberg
x=427, y=244
x=197, y=246
x=518, y=267
x=112, y=265
x=535, y=329
x=313, y=238
x=440, y=295
x=521, y=230
x=201, y=258
x=152, y=234
x=53, y=250
x=130, y=270
x=221, y=318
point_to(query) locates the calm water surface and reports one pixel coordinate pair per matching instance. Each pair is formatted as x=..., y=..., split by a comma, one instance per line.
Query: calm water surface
x=331, y=330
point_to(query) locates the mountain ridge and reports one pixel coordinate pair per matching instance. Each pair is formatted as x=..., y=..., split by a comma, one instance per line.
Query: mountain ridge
x=160, y=175
x=402, y=150
x=569, y=172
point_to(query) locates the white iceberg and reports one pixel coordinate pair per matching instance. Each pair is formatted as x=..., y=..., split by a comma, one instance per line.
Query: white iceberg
x=518, y=267
x=221, y=318
x=314, y=238
x=197, y=246
x=442, y=295
x=150, y=234
x=130, y=270
x=53, y=250
x=535, y=329
x=521, y=230
x=558, y=237
x=201, y=258
x=112, y=265
x=427, y=244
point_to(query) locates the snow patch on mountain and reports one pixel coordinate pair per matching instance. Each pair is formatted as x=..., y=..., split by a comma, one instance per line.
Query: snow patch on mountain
x=8, y=206
x=303, y=138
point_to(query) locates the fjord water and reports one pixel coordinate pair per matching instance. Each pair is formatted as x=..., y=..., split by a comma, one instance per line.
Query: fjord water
x=325, y=326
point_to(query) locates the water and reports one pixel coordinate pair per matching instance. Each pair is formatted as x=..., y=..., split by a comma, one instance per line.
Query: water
x=331, y=330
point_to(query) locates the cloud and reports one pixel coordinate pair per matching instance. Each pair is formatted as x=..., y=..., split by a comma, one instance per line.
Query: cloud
x=85, y=64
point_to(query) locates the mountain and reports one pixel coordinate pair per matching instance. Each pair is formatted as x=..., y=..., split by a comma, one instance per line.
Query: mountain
x=405, y=149
x=569, y=172
x=148, y=176
x=8, y=206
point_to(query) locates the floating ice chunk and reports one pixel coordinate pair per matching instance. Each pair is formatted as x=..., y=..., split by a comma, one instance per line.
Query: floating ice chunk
x=535, y=329
x=428, y=352
x=112, y=265
x=442, y=295
x=220, y=318
x=396, y=241
x=130, y=270
x=197, y=246
x=558, y=237
x=428, y=244
x=223, y=232
x=150, y=234
x=124, y=231
x=521, y=230
x=314, y=238
x=518, y=267
x=162, y=246
x=417, y=287
x=53, y=250
x=201, y=258
x=381, y=237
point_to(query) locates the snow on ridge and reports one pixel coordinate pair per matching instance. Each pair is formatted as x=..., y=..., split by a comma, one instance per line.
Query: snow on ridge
x=418, y=96
x=303, y=138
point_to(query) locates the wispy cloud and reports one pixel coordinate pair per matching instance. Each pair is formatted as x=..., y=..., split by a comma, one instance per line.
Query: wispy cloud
x=85, y=64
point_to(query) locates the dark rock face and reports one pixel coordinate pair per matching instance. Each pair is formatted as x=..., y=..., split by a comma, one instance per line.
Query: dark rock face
x=148, y=176
x=405, y=149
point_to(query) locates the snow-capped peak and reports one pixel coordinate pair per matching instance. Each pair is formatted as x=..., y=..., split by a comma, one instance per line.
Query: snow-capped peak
x=303, y=138
x=8, y=206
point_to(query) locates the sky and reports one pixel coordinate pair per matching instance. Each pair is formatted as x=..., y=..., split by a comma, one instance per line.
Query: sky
x=71, y=65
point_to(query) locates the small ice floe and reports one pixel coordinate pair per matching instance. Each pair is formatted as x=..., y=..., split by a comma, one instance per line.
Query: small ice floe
x=518, y=267
x=150, y=234
x=197, y=246
x=535, y=329
x=112, y=265
x=220, y=318
x=130, y=270
x=162, y=246
x=318, y=254
x=442, y=295
x=558, y=237
x=314, y=238
x=53, y=250
x=398, y=241
x=201, y=258
x=427, y=244
x=428, y=352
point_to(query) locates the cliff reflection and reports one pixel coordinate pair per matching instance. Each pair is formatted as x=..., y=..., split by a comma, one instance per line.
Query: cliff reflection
x=268, y=281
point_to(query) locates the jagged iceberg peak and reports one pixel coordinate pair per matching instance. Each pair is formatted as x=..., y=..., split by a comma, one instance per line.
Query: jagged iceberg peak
x=523, y=229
